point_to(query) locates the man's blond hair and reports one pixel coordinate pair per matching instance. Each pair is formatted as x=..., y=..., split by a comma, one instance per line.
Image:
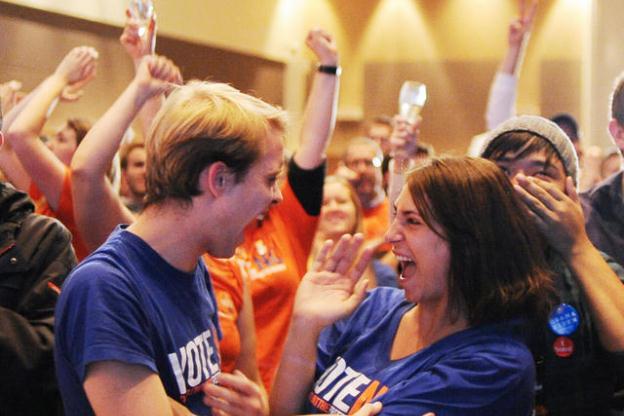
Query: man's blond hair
x=199, y=124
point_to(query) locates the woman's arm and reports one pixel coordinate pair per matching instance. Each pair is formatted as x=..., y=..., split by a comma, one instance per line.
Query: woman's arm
x=331, y=290
x=43, y=167
x=97, y=207
x=319, y=117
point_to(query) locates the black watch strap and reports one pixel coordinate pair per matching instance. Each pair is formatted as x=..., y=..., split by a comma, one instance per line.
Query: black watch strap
x=330, y=69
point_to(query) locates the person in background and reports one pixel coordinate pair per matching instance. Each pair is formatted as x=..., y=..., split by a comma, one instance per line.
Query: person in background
x=451, y=342
x=341, y=214
x=35, y=257
x=133, y=173
x=43, y=168
x=361, y=166
x=604, y=204
x=379, y=130
x=578, y=351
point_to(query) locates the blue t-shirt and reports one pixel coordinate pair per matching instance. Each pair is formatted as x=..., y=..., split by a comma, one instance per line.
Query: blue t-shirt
x=126, y=303
x=484, y=370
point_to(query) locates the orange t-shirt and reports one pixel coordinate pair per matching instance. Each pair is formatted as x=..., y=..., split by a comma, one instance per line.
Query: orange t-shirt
x=273, y=260
x=64, y=213
x=228, y=290
x=376, y=223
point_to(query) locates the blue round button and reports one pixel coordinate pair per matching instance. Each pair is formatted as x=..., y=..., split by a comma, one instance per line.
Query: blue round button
x=564, y=320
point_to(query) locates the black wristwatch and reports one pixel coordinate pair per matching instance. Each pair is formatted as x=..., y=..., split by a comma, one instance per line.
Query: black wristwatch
x=330, y=69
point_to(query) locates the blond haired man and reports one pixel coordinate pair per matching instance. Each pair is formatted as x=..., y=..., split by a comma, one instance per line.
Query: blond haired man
x=137, y=321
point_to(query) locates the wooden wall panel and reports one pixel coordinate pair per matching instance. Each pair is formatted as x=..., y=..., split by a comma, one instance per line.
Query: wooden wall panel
x=32, y=42
x=457, y=96
x=560, y=87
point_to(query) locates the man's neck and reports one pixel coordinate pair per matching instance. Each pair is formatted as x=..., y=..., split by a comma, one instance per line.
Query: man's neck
x=168, y=231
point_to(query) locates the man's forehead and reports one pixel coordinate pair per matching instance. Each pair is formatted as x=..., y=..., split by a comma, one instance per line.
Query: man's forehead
x=361, y=150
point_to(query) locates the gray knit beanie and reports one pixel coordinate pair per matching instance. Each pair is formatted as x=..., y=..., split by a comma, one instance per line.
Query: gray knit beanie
x=545, y=129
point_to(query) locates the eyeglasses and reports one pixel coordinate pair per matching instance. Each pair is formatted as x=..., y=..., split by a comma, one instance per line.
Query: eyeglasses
x=354, y=163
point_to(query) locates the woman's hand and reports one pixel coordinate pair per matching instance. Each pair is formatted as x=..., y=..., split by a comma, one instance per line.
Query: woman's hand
x=323, y=46
x=332, y=288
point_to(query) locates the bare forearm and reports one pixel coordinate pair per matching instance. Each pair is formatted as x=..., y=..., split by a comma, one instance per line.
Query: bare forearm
x=31, y=116
x=296, y=372
x=318, y=121
x=604, y=292
x=95, y=153
x=512, y=61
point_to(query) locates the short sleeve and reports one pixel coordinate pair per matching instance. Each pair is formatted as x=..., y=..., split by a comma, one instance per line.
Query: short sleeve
x=101, y=319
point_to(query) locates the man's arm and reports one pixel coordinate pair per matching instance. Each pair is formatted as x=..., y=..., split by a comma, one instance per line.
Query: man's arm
x=137, y=47
x=43, y=167
x=118, y=389
x=97, y=207
x=502, y=98
x=560, y=218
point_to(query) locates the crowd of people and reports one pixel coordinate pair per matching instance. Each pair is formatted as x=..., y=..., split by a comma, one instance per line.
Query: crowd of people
x=195, y=269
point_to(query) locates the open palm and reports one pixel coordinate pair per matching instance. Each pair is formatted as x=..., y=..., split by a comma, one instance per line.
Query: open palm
x=332, y=288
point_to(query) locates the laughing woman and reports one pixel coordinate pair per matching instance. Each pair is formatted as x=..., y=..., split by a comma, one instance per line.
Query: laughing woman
x=453, y=341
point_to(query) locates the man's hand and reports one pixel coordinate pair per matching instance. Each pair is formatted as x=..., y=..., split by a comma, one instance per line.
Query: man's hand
x=235, y=395
x=323, y=46
x=519, y=27
x=558, y=215
x=156, y=75
x=135, y=45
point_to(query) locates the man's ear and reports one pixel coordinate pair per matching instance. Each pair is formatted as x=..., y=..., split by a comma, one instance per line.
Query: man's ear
x=617, y=132
x=215, y=179
x=1, y=139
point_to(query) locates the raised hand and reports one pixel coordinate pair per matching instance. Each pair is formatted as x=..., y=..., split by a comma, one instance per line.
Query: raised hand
x=520, y=26
x=135, y=45
x=332, y=288
x=558, y=215
x=157, y=74
x=78, y=67
x=10, y=95
x=234, y=395
x=404, y=139
x=323, y=46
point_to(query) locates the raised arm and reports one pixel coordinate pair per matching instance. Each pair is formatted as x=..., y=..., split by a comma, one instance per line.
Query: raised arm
x=97, y=207
x=41, y=164
x=503, y=92
x=403, y=143
x=137, y=47
x=331, y=290
x=320, y=114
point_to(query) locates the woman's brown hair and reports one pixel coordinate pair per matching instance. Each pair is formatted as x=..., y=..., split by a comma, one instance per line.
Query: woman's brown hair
x=497, y=269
